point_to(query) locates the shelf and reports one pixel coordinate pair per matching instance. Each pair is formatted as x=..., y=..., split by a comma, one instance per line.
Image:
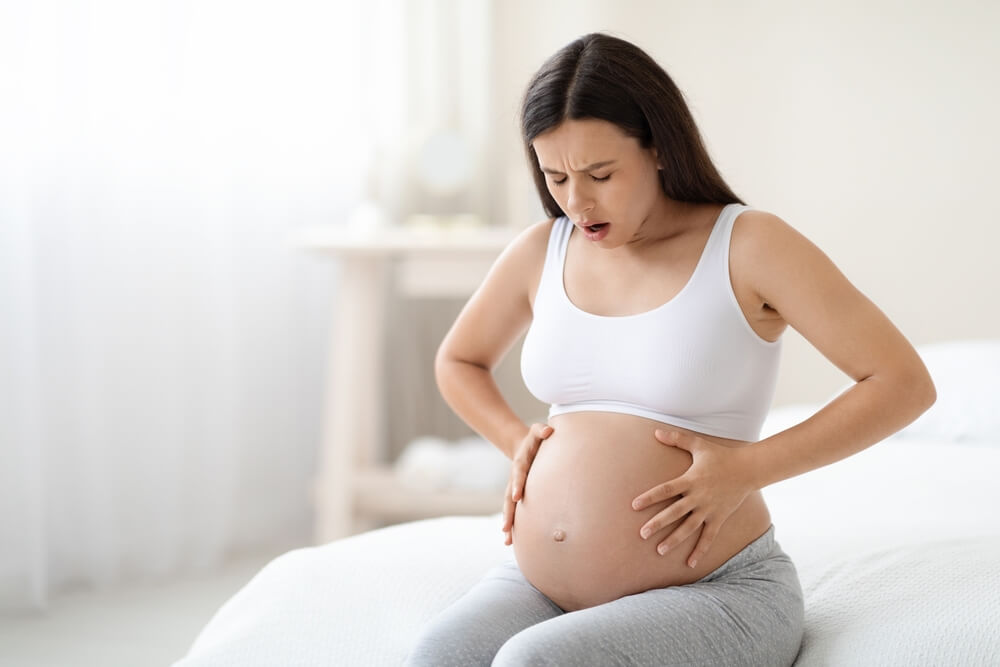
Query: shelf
x=397, y=241
x=353, y=483
x=379, y=493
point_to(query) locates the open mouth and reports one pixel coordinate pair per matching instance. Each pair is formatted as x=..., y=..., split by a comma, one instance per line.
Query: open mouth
x=595, y=228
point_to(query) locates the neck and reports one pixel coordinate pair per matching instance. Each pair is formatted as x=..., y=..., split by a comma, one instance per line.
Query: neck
x=670, y=218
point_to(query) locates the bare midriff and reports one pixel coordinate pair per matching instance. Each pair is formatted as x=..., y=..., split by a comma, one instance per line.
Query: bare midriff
x=575, y=535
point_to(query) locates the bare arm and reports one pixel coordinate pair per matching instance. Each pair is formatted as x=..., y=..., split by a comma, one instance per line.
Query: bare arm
x=892, y=386
x=490, y=323
x=792, y=279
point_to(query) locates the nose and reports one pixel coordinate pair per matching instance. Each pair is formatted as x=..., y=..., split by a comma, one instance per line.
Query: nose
x=579, y=198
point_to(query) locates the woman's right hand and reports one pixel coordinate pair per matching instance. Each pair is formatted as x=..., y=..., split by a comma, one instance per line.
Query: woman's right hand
x=524, y=455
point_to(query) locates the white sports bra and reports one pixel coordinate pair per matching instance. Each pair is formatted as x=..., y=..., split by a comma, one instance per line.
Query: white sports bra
x=692, y=362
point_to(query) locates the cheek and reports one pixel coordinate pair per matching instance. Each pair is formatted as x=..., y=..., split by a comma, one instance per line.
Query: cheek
x=645, y=195
x=625, y=197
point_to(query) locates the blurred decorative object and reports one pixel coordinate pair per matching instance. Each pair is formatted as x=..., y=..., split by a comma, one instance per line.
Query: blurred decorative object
x=435, y=463
x=444, y=162
x=368, y=215
x=448, y=100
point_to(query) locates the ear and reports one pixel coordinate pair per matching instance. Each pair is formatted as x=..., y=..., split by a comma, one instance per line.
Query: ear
x=656, y=158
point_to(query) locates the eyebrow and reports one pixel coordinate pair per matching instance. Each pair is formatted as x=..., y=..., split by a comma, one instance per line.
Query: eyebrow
x=589, y=167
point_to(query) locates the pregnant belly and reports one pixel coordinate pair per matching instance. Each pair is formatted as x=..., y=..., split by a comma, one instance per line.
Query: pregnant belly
x=576, y=536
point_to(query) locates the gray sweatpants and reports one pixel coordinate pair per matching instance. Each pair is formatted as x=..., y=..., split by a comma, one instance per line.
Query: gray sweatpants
x=749, y=611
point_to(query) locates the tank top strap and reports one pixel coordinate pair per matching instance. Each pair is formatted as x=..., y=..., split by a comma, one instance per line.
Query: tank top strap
x=714, y=264
x=555, y=258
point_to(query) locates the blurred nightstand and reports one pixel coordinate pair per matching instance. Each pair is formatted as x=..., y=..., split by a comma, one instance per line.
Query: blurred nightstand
x=355, y=487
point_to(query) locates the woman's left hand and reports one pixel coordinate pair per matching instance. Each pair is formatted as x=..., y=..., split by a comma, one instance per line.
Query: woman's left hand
x=711, y=489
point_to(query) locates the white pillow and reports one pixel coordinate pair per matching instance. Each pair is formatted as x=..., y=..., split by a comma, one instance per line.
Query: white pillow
x=967, y=377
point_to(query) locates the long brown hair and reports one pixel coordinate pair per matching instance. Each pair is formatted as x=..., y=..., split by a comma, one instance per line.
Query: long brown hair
x=607, y=78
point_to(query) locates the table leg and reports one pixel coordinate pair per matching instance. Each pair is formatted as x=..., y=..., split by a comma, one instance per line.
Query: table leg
x=352, y=414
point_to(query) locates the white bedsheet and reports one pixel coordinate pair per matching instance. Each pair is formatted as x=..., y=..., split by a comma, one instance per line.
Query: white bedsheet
x=898, y=549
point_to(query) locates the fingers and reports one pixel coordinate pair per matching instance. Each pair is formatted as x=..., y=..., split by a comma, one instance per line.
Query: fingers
x=708, y=535
x=681, y=533
x=508, y=506
x=525, y=456
x=667, y=437
x=686, y=441
x=523, y=459
x=518, y=474
x=672, y=514
x=541, y=431
x=508, y=519
x=661, y=492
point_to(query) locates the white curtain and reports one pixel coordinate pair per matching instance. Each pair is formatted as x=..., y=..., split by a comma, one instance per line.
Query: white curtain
x=161, y=343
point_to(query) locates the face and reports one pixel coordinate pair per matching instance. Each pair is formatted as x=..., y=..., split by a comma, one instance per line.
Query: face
x=599, y=174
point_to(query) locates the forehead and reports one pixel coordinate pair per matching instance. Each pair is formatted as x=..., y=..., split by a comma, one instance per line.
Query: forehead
x=582, y=142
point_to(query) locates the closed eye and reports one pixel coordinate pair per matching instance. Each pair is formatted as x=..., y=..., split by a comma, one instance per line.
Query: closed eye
x=595, y=178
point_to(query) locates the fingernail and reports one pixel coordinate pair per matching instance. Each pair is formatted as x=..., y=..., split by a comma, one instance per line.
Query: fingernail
x=662, y=549
x=693, y=563
x=636, y=504
x=644, y=532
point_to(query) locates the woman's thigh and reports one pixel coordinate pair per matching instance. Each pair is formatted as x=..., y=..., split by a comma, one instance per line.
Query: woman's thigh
x=746, y=613
x=472, y=629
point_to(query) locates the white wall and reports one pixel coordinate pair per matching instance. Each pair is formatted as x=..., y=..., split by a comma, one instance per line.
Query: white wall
x=868, y=125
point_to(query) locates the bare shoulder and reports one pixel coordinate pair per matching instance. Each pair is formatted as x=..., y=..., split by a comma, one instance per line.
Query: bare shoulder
x=766, y=250
x=501, y=308
x=761, y=231
x=784, y=269
x=532, y=241
x=522, y=260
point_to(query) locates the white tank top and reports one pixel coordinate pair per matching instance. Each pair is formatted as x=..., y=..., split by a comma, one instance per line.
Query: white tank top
x=693, y=362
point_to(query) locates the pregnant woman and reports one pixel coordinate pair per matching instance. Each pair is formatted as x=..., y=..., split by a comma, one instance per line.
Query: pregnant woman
x=654, y=302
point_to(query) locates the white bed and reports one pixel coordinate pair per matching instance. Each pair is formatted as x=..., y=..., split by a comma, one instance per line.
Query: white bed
x=898, y=550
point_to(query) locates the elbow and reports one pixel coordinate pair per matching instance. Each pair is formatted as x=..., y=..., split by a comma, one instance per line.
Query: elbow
x=930, y=394
x=441, y=365
x=452, y=368
x=922, y=389
x=445, y=365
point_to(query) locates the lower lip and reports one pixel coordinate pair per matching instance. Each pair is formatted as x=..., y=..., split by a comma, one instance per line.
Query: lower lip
x=598, y=235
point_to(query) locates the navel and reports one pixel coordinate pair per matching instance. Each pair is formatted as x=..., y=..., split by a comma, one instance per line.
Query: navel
x=559, y=535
